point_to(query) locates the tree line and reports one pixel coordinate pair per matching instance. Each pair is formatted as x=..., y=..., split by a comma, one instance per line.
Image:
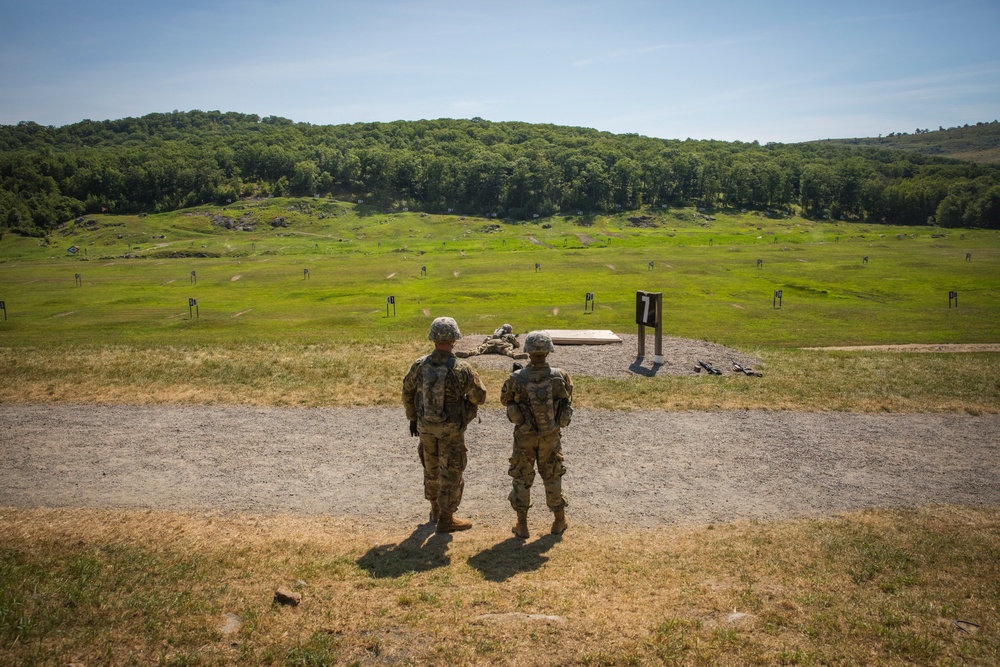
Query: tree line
x=167, y=161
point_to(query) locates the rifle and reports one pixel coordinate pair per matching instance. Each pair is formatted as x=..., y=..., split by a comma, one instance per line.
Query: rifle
x=746, y=371
x=712, y=370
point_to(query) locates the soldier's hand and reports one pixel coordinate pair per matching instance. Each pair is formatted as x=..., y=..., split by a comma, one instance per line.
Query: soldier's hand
x=413, y=428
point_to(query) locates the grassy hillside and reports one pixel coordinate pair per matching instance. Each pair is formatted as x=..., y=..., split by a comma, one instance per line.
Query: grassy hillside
x=974, y=143
x=328, y=267
x=297, y=313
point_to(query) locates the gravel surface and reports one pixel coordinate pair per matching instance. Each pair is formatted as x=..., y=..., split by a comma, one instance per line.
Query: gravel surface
x=641, y=468
x=681, y=356
x=646, y=468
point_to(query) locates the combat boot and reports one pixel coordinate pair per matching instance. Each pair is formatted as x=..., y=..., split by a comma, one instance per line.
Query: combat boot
x=559, y=526
x=435, y=511
x=520, y=528
x=448, y=523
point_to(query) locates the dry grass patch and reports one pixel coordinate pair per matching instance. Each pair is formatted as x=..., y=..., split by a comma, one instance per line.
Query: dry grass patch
x=370, y=374
x=869, y=381
x=881, y=588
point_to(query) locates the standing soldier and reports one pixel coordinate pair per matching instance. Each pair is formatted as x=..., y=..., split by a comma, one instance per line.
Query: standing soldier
x=441, y=395
x=539, y=403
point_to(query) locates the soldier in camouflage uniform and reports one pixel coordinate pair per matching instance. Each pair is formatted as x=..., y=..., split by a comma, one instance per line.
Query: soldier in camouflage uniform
x=503, y=341
x=441, y=395
x=539, y=403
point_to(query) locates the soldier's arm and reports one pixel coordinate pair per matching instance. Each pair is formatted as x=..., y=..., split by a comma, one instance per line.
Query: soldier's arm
x=409, y=394
x=507, y=393
x=569, y=386
x=514, y=341
x=474, y=389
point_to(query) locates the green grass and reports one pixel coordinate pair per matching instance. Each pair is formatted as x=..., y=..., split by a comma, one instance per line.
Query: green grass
x=256, y=291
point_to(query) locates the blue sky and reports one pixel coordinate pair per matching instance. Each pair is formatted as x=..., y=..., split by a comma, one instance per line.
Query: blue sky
x=766, y=71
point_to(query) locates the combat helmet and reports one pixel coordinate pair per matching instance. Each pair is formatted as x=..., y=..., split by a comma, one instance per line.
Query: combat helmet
x=507, y=329
x=444, y=329
x=538, y=342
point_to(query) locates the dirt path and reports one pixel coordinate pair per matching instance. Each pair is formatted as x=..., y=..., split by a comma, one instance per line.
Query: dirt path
x=917, y=347
x=649, y=468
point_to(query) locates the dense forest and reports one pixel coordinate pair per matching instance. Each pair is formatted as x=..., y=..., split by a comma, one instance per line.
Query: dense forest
x=161, y=162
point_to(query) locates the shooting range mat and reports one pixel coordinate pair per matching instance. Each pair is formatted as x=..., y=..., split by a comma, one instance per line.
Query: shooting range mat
x=582, y=336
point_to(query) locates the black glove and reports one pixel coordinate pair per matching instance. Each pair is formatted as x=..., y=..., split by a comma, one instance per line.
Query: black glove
x=413, y=428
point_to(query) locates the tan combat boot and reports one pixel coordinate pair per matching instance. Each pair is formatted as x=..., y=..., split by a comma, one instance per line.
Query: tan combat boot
x=448, y=523
x=520, y=528
x=559, y=526
x=435, y=511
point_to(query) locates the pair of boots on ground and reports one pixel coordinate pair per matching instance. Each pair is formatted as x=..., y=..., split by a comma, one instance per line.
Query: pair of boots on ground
x=447, y=522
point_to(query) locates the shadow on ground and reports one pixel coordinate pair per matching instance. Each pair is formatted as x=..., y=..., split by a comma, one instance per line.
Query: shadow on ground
x=513, y=556
x=423, y=550
x=637, y=367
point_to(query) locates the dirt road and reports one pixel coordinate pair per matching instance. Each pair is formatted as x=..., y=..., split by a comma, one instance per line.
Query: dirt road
x=647, y=468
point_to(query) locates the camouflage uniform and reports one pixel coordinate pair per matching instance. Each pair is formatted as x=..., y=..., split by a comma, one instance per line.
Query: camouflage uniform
x=538, y=401
x=504, y=344
x=503, y=341
x=442, y=436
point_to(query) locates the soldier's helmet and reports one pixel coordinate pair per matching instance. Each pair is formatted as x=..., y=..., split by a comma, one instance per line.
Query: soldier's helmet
x=538, y=341
x=444, y=329
x=507, y=329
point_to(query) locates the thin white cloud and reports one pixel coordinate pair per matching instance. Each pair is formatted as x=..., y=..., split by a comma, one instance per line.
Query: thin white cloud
x=689, y=45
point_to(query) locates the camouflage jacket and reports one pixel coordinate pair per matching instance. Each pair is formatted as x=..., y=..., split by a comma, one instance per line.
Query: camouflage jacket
x=508, y=338
x=461, y=395
x=538, y=399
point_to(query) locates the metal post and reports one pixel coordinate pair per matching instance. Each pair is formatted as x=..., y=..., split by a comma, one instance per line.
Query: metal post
x=658, y=341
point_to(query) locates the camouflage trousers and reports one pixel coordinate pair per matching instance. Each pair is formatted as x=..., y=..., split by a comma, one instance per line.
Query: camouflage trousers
x=444, y=456
x=545, y=452
x=496, y=347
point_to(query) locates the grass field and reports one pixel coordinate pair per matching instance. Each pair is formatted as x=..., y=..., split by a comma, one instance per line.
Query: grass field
x=873, y=588
x=298, y=314
x=328, y=279
x=295, y=315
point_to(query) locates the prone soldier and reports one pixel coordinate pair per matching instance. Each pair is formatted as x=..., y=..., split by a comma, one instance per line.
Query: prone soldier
x=503, y=341
x=539, y=403
x=441, y=395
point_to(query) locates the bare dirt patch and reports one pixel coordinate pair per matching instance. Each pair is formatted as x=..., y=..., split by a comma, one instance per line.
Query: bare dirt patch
x=645, y=469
